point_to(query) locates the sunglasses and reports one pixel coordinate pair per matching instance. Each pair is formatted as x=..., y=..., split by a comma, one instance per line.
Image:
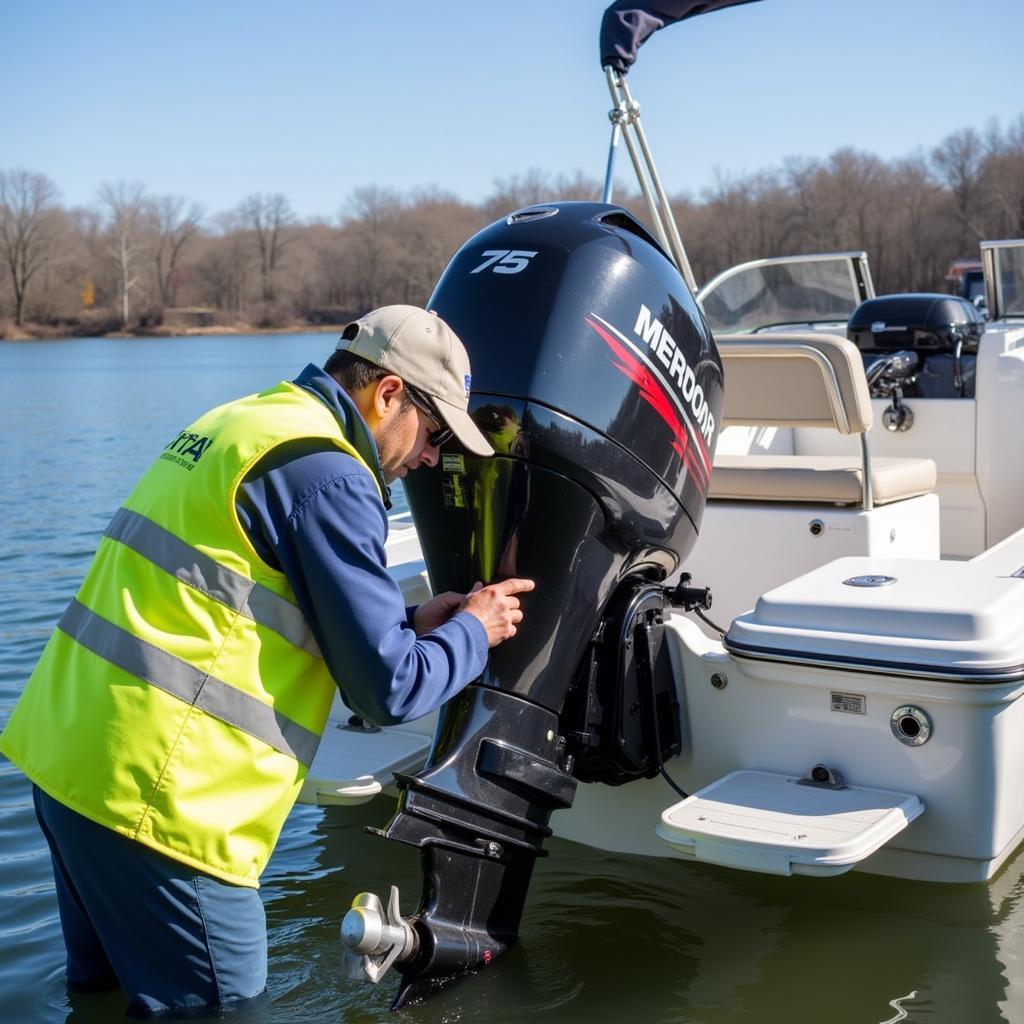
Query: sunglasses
x=438, y=437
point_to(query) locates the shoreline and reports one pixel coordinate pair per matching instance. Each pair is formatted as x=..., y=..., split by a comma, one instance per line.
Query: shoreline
x=171, y=331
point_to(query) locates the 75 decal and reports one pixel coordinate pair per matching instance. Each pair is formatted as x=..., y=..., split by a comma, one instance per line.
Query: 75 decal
x=504, y=261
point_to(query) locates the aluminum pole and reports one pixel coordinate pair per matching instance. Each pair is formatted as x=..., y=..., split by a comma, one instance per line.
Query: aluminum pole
x=677, y=243
x=612, y=148
x=867, y=493
x=625, y=115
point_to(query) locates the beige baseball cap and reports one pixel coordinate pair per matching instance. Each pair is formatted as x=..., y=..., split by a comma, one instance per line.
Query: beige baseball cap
x=418, y=346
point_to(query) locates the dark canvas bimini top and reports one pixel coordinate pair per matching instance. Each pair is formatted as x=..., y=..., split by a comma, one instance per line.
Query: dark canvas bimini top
x=627, y=25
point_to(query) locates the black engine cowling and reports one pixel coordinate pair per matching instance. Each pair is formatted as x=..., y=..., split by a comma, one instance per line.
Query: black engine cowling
x=943, y=331
x=597, y=382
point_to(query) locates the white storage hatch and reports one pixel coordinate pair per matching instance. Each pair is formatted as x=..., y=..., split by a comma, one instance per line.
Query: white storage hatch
x=962, y=621
x=782, y=825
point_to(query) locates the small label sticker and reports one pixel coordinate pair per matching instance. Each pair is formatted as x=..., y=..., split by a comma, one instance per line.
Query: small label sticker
x=451, y=463
x=851, y=703
x=452, y=493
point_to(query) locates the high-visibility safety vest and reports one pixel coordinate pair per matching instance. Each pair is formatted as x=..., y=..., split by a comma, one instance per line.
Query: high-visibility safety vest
x=182, y=697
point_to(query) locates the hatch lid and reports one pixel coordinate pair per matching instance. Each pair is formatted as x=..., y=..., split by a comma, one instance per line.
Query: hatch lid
x=784, y=825
x=960, y=621
x=353, y=765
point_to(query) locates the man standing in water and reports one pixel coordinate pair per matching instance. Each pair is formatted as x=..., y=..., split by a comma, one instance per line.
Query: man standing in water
x=176, y=709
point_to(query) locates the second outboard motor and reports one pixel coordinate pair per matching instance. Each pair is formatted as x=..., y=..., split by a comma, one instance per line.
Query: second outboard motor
x=942, y=331
x=598, y=384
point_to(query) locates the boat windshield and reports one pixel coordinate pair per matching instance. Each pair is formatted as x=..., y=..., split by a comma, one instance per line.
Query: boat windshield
x=1004, y=278
x=786, y=291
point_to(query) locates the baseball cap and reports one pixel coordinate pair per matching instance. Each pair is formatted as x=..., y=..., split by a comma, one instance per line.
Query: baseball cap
x=418, y=346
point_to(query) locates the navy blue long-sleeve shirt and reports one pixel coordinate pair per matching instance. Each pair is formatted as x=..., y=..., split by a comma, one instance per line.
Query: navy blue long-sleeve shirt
x=314, y=513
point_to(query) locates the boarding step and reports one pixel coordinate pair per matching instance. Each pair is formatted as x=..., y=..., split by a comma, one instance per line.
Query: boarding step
x=784, y=825
x=354, y=764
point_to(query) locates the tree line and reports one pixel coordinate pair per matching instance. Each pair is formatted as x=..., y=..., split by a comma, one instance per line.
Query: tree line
x=134, y=261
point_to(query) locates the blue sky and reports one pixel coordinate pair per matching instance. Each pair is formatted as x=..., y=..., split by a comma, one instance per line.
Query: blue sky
x=313, y=98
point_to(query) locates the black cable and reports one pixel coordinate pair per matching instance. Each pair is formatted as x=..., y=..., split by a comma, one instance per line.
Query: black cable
x=653, y=701
x=703, y=618
x=665, y=775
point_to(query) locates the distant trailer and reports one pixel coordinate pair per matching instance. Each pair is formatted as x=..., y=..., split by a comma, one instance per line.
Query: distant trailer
x=966, y=279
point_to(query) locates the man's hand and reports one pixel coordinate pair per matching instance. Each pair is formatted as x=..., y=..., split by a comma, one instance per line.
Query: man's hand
x=497, y=607
x=436, y=612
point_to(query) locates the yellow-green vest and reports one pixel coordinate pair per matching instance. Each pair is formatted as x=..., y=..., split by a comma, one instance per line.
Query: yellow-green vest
x=181, y=699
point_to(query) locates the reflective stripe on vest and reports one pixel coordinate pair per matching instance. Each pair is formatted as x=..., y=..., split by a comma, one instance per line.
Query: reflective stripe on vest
x=187, y=683
x=198, y=570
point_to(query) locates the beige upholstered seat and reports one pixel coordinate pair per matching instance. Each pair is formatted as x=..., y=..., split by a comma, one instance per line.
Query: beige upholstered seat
x=806, y=380
x=818, y=478
x=795, y=380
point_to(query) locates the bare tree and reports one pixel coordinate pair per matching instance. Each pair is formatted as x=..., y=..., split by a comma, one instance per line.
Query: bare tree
x=268, y=217
x=428, y=232
x=913, y=195
x=28, y=208
x=125, y=205
x=518, y=191
x=1005, y=179
x=582, y=187
x=330, y=253
x=960, y=162
x=800, y=175
x=912, y=216
x=177, y=222
x=224, y=264
x=722, y=238
x=371, y=225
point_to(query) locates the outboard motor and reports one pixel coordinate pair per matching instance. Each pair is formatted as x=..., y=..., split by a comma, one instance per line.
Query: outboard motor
x=925, y=344
x=598, y=384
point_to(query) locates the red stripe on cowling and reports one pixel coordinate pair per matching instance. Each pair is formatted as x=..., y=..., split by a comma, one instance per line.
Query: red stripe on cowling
x=654, y=395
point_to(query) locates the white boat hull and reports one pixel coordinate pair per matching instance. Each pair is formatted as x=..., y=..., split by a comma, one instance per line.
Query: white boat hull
x=815, y=672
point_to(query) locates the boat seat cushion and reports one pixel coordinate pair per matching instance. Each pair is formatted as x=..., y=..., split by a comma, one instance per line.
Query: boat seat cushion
x=825, y=479
x=794, y=380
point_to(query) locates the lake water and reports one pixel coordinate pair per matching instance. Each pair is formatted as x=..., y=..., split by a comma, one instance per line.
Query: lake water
x=605, y=938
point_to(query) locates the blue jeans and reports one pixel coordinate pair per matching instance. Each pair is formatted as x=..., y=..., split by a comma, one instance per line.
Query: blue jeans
x=173, y=938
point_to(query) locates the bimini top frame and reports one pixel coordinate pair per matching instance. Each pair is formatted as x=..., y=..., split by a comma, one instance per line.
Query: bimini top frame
x=625, y=26
x=625, y=119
